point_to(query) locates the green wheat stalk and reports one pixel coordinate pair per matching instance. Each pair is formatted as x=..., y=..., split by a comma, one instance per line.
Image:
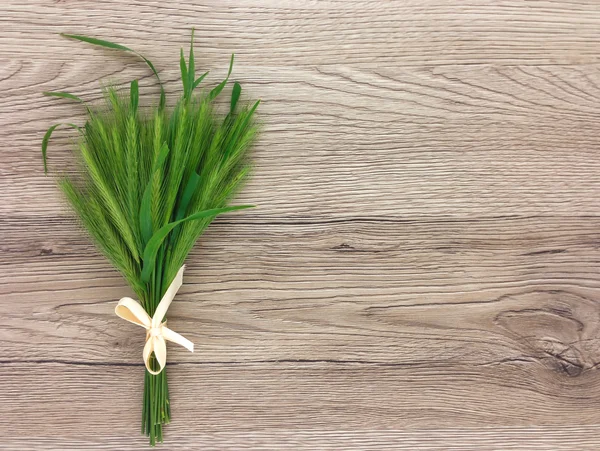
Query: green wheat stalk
x=151, y=181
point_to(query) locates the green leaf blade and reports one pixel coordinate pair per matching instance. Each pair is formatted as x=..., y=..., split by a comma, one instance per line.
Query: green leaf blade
x=188, y=192
x=163, y=97
x=134, y=95
x=184, y=75
x=235, y=96
x=115, y=46
x=153, y=246
x=199, y=80
x=99, y=42
x=217, y=90
x=46, y=139
x=64, y=95
x=192, y=65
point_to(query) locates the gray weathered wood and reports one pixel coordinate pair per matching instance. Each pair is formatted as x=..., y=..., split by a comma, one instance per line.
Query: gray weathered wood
x=422, y=270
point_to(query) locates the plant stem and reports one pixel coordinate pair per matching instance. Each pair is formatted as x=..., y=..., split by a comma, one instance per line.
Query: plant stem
x=156, y=409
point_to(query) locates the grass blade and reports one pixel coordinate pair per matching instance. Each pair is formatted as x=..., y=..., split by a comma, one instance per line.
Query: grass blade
x=45, y=140
x=115, y=46
x=186, y=197
x=149, y=256
x=192, y=66
x=45, y=146
x=64, y=95
x=134, y=95
x=188, y=192
x=199, y=79
x=235, y=96
x=217, y=90
x=94, y=41
x=163, y=98
x=184, y=75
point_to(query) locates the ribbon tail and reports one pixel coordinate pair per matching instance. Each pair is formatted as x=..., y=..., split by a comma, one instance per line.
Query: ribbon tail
x=147, y=353
x=160, y=352
x=165, y=302
x=177, y=338
x=157, y=346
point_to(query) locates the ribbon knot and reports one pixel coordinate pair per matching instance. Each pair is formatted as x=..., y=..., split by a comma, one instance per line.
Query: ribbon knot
x=157, y=331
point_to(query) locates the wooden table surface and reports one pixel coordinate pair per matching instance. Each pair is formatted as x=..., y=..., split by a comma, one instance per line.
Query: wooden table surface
x=422, y=272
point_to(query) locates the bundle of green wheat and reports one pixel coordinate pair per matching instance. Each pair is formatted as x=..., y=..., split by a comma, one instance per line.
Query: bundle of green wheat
x=150, y=182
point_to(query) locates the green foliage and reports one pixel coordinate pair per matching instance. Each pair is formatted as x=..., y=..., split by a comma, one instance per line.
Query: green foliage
x=142, y=172
x=152, y=180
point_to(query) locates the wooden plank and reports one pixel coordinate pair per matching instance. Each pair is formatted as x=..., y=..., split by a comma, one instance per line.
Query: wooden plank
x=370, y=33
x=369, y=319
x=333, y=287
x=237, y=397
x=420, y=143
x=421, y=272
x=472, y=439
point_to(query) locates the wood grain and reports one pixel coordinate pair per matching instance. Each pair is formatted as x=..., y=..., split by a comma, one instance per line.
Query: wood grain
x=422, y=270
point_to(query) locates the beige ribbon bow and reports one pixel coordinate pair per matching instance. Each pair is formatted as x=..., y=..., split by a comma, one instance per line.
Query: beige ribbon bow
x=157, y=330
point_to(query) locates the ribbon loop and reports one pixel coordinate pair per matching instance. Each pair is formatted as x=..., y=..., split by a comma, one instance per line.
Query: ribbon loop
x=157, y=331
